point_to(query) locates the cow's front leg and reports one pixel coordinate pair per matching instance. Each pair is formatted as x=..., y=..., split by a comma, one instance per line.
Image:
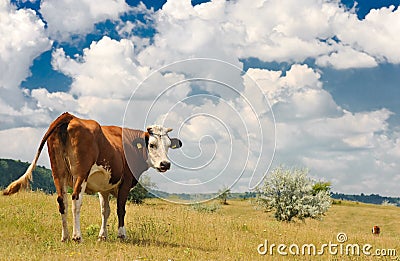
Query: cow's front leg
x=121, y=202
x=105, y=213
x=77, y=197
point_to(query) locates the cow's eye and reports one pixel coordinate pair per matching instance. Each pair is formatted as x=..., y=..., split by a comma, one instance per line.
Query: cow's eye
x=153, y=146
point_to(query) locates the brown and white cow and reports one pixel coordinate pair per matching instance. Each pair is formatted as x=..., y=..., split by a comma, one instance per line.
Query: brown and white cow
x=92, y=158
x=376, y=230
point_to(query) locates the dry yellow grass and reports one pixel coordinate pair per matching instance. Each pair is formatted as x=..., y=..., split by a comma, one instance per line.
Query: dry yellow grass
x=30, y=229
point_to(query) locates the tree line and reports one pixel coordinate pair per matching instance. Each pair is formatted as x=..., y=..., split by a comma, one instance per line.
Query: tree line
x=11, y=169
x=371, y=199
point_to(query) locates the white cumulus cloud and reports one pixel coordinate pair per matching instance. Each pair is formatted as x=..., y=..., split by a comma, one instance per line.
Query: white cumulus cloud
x=346, y=58
x=377, y=34
x=106, y=69
x=23, y=38
x=66, y=18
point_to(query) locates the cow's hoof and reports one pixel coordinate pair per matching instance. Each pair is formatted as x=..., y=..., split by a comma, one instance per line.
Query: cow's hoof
x=66, y=239
x=122, y=237
x=102, y=238
x=77, y=239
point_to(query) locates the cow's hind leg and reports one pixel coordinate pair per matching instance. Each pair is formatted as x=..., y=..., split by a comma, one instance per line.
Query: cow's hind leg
x=63, y=207
x=105, y=213
x=77, y=197
x=62, y=200
x=60, y=174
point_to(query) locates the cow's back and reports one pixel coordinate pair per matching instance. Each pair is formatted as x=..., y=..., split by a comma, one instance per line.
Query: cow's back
x=85, y=149
x=85, y=139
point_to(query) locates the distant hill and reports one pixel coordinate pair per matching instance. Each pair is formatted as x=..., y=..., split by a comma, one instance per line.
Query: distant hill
x=198, y=197
x=372, y=199
x=10, y=170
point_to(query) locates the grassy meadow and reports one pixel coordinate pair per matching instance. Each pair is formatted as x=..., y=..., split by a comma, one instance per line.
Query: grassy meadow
x=30, y=229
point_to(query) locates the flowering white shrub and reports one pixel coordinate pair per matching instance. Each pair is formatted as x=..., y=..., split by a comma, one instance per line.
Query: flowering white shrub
x=293, y=195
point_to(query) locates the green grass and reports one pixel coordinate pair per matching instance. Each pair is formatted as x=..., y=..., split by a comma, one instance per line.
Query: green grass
x=30, y=229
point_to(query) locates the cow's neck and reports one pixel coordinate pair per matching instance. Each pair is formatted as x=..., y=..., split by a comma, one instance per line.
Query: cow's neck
x=135, y=151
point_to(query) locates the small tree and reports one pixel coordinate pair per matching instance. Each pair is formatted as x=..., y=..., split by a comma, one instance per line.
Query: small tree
x=293, y=195
x=223, y=195
x=139, y=192
x=321, y=187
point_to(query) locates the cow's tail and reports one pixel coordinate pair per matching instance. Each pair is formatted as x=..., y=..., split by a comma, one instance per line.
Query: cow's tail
x=23, y=181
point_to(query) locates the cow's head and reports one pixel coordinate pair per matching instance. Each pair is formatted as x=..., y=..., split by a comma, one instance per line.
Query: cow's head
x=158, y=143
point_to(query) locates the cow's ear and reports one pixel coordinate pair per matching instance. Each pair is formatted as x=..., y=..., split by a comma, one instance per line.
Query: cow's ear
x=150, y=130
x=175, y=143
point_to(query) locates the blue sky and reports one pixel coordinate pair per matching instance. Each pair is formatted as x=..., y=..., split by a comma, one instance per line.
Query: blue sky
x=329, y=69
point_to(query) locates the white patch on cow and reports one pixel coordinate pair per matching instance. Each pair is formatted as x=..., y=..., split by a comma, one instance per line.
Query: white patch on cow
x=65, y=233
x=76, y=212
x=121, y=232
x=105, y=213
x=99, y=179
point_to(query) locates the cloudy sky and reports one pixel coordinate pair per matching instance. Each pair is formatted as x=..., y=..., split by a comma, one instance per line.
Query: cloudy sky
x=246, y=84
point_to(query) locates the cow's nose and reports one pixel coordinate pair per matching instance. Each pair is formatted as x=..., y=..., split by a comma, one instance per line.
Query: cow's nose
x=165, y=165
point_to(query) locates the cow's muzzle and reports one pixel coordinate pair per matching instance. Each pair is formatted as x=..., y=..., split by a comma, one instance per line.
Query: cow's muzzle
x=164, y=166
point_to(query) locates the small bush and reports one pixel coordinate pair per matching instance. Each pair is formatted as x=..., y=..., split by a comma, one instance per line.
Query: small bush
x=205, y=208
x=292, y=194
x=224, y=194
x=92, y=230
x=139, y=192
x=388, y=203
